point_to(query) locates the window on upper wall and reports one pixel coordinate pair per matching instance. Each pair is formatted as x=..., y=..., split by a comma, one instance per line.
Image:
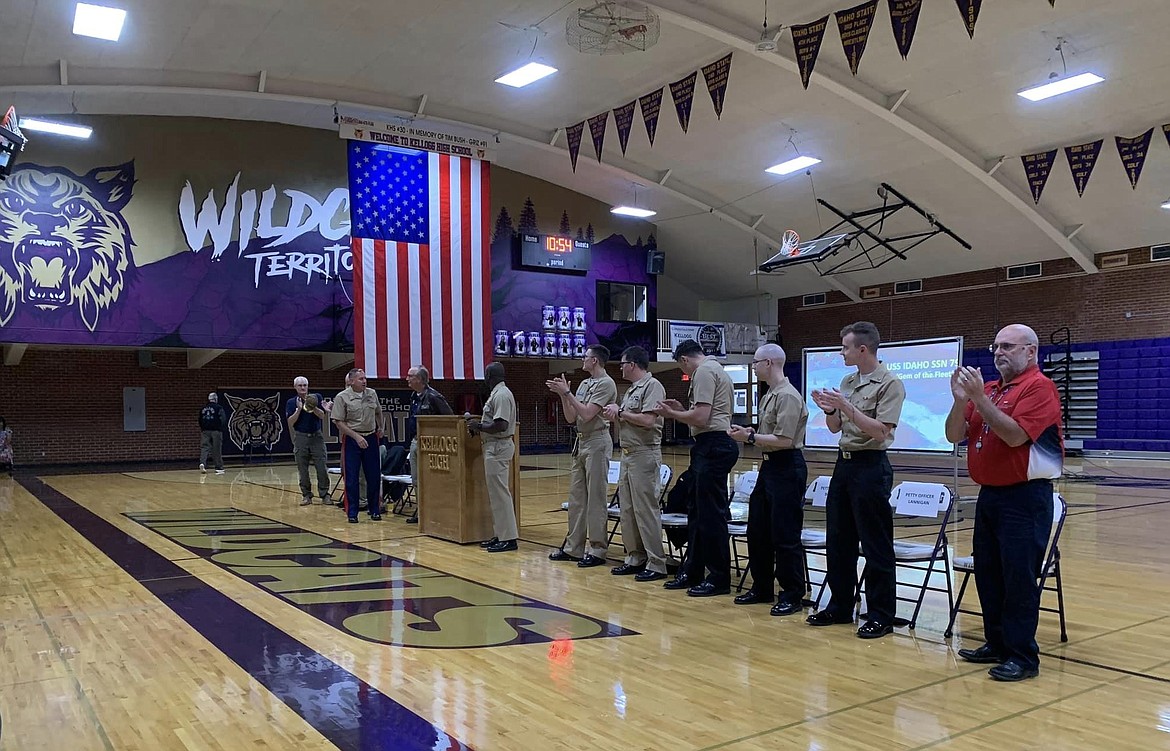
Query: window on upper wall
x=621, y=302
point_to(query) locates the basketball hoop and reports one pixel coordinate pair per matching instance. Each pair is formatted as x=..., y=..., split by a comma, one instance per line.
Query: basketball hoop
x=12, y=141
x=790, y=243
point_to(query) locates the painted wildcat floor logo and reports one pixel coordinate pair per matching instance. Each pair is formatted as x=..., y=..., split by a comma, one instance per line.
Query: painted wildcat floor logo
x=254, y=422
x=63, y=241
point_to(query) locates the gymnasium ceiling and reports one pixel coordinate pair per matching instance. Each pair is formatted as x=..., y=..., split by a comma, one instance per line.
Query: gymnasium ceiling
x=956, y=111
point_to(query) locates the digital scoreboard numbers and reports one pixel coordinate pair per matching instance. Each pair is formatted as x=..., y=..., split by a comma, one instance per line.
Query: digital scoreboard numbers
x=553, y=253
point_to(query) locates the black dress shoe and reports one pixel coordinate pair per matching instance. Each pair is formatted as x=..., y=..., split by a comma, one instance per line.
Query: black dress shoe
x=412, y=519
x=627, y=569
x=678, y=582
x=502, y=546
x=376, y=517
x=649, y=576
x=1012, y=671
x=353, y=520
x=828, y=618
x=560, y=555
x=707, y=589
x=489, y=543
x=589, y=561
x=751, y=597
x=787, y=607
x=984, y=655
x=874, y=630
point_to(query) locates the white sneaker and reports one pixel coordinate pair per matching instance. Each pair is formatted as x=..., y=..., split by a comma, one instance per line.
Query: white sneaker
x=203, y=468
x=220, y=471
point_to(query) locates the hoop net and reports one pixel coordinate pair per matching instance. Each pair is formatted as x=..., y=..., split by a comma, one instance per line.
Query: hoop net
x=790, y=243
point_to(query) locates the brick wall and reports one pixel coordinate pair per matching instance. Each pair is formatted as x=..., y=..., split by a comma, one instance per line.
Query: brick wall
x=65, y=405
x=976, y=304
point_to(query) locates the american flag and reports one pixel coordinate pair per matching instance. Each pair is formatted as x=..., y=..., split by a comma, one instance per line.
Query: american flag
x=421, y=261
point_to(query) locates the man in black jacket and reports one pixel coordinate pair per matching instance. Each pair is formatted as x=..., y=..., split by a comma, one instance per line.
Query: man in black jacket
x=424, y=401
x=212, y=419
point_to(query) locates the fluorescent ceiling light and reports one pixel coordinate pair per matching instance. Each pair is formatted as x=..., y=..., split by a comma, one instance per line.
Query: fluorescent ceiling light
x=792, y=165
x=632, y=211
x=526, y=75
x=1166, y=205
x=61, y=129
x=1063, y=86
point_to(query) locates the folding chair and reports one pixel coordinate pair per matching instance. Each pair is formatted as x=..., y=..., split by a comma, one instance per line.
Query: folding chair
x=737, y=530
x=1051, y=570
x=614, y=513
x=333, y=491
x=408, y=499
x=814, y=540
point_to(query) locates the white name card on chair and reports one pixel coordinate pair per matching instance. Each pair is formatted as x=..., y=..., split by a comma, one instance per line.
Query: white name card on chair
x=818, y=492
x=919, y=498
x=614, y=474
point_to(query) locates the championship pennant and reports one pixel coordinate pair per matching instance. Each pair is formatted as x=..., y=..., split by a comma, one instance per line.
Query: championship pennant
x=651, y=105
x=573, y=133
x=682, y=92
x=904, y=22
x=623, y=118
x=597, y=125
x=1081, y=160
x=853, y=26
x=806, y=41
x=1037, y=167
x=970, y=11
x=716, y=75
x=1133, y=154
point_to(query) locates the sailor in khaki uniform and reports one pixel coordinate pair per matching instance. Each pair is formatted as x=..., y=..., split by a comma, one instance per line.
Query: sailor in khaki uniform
x=638, y=489
x=776, y=507
x=497, y=428
x=588, y=486
x=865, y=411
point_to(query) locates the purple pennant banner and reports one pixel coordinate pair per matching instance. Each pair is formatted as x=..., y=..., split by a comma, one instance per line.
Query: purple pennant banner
x=651, y=105
x=853, y=26
x=1081, y=160
x=573, y=133
x=1166, y=132
x=904, y=22
x=716, y=75
x=597, y=125
x=970, y=11
x=1037, y=167
x=806, y=40
x=623, y=118
x=682, y=92
x=1133, y=154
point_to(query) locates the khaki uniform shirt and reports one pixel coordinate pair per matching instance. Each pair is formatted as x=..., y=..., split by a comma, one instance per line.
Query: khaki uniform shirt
x=359, y=411
x=641, y=397
x=783, y=413
x=880, y=397
x=500, y=405
x=600, y=391
x=710, y=384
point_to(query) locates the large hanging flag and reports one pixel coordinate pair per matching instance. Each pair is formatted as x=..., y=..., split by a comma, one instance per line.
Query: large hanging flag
x=1082, y=158
x=1037, y=167
x=970, y=11
x=716, y=75
x=904, y=22
x=853, y=25
x=1133, y=154
x=806, y=41
x=421, y=262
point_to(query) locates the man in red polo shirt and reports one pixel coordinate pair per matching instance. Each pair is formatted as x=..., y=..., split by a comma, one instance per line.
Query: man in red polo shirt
x=1014, y=451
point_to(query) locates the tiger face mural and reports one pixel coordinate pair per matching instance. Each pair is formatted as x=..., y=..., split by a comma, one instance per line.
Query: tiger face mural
x=254, y=422
x=63, y=242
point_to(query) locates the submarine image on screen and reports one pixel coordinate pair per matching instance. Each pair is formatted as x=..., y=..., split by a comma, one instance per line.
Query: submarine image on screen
x=925, y=368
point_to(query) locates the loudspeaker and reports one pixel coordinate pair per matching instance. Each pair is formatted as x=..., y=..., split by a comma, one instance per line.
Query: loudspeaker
x=655, y=262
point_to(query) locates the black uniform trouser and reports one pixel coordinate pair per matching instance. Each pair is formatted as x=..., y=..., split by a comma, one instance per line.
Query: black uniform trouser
x=775, y=518
x=858, y=512
x=1012, y=526
x=712, y=457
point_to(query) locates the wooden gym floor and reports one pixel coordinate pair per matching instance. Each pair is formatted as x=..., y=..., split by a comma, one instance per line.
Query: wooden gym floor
x=138, y=611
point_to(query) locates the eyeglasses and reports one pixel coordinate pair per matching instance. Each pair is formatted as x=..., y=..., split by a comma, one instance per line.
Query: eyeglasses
x=1005, y=346
x=624, y=363
x=757, y=362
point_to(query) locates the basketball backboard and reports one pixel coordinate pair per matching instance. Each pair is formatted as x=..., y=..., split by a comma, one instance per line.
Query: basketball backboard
x=12, y=142
x=806, y=252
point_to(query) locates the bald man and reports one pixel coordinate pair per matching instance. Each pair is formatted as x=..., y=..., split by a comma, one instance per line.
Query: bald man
x=776, y=506
x=1014, y=451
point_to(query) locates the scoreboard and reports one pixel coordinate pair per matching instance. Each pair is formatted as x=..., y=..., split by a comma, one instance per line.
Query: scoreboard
x=553, y=253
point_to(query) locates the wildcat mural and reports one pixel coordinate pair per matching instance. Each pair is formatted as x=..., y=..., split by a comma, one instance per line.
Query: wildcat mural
x=63, y=242
x=254, y=422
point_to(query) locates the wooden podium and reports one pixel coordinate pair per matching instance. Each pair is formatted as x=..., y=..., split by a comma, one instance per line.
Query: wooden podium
x=452, y=489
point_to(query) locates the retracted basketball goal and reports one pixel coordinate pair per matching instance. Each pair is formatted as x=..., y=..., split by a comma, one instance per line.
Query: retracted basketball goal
x=12, y=142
